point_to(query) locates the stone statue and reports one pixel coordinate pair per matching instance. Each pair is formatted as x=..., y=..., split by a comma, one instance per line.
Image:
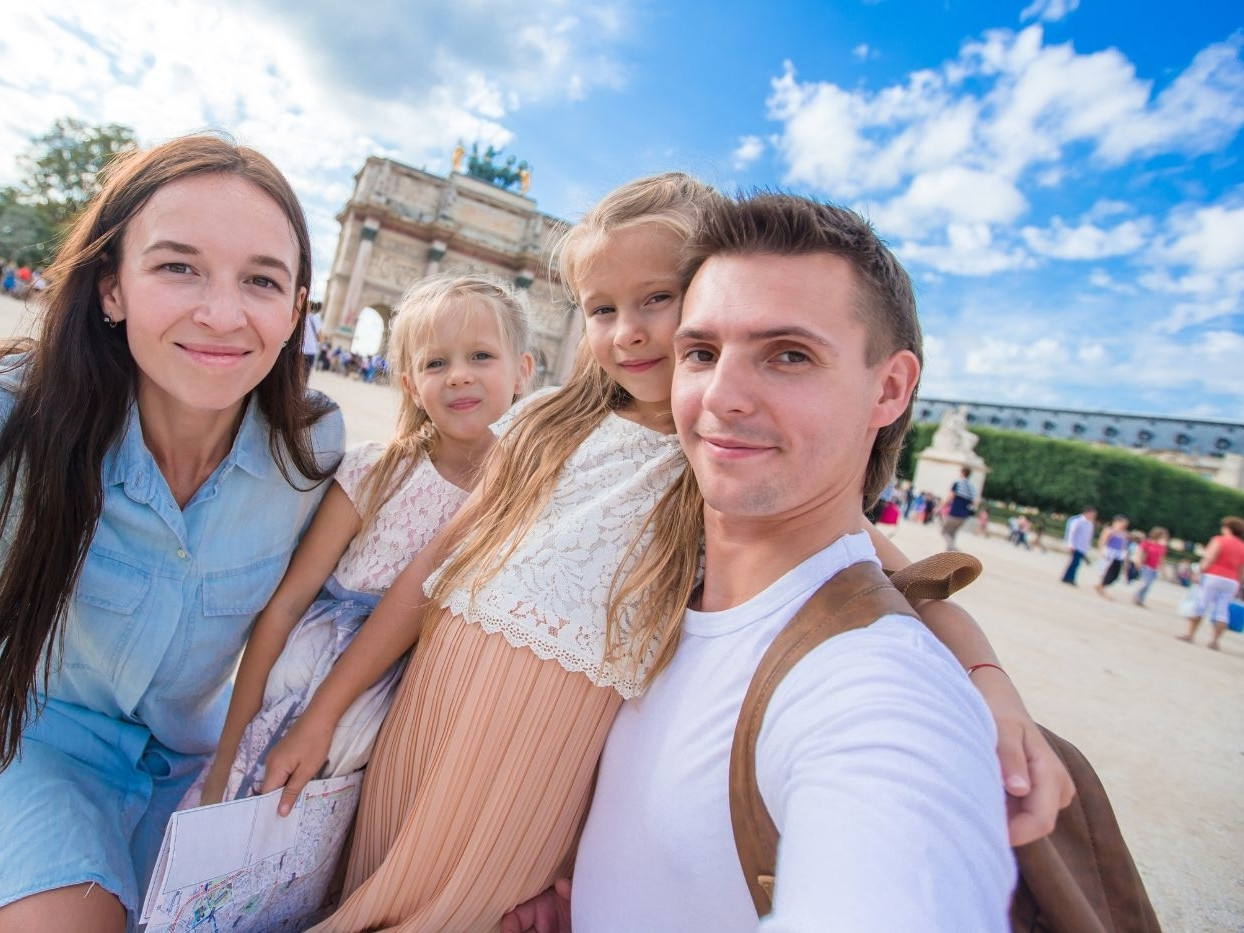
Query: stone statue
x=459, y=152
x=952, y=435
x=524, y=177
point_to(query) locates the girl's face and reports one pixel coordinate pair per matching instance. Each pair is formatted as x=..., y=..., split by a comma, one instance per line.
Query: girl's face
x=632, y=298
x=206, y=287
x=467, y=376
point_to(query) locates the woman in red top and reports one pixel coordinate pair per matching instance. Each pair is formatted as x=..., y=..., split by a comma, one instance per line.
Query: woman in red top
x=1221, y=568
x=1154, y=550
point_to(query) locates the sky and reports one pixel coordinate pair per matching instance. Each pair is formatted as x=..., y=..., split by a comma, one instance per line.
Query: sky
x=1062, y=178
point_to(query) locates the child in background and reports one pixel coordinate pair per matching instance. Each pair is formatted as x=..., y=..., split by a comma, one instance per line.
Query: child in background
x=461, y=347
x=1154, y=550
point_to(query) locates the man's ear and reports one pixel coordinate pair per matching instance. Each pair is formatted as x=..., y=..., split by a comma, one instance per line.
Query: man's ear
x=897, y=380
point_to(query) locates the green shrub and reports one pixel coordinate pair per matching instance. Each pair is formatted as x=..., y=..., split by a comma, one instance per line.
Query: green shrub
x=1064, y=476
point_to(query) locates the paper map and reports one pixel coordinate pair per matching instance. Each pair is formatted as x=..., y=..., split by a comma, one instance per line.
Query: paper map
x=238, y=866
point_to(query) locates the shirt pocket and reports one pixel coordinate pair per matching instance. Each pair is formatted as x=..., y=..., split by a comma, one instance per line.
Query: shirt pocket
x=112, y=583
x=243, y=591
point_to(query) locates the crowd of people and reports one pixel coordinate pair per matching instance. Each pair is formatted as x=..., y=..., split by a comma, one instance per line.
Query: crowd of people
x=19, y=280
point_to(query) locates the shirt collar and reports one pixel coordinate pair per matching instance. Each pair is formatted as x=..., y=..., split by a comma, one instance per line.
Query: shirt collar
x=131, y=462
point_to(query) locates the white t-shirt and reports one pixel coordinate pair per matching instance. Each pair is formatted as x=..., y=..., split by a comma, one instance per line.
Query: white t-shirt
x=876, y=760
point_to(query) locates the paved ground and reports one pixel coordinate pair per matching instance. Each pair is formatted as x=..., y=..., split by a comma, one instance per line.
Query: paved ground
x=1162, y=721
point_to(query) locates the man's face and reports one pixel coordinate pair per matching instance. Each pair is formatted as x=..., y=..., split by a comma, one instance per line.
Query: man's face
x=774, y=404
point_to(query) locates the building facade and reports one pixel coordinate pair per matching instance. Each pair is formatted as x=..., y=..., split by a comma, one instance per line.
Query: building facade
x=1214, y=449
x=402, y=224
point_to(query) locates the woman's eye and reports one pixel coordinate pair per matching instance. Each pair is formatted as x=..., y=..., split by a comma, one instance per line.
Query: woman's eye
x=178, y=267
x=264, y=282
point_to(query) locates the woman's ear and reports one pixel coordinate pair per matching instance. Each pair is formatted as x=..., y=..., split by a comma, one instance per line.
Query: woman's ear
x=109, y=290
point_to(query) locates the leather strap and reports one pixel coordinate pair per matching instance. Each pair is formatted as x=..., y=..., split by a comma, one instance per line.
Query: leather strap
x=852, y=598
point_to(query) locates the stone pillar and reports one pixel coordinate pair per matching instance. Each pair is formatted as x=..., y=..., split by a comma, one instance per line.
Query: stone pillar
x=350, y=310
x=436, y=252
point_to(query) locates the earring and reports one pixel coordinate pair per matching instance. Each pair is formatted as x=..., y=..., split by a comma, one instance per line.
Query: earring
x=109, y=321
x=285, y=342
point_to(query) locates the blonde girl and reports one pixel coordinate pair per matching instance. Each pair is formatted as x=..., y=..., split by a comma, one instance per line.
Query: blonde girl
x=460, y=347
x=483, y=769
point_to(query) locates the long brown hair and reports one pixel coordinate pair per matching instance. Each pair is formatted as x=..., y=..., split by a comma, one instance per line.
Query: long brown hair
x=425, y=305
x=78, y=380
x=523, y=469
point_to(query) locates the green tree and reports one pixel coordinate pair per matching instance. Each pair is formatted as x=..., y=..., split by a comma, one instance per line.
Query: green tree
x=59, y=174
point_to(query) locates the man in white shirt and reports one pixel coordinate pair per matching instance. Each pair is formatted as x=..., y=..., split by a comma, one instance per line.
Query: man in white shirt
x=796, y=362
x=1079, y=538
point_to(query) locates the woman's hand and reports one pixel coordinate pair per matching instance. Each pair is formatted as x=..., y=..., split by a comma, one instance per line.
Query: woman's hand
x=297, y=758
x=1036, y=782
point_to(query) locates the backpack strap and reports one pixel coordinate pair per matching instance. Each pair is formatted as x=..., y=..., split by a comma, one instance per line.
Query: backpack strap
x=853, y=598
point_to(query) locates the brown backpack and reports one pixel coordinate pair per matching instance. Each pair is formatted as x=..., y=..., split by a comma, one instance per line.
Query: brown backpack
x=1079, y=879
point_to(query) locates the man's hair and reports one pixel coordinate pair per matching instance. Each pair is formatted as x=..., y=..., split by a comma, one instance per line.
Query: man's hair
x=787, y=225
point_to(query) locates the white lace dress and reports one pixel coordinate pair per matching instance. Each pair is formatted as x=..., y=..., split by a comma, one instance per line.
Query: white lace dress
x=402, y=527
x=482, y=772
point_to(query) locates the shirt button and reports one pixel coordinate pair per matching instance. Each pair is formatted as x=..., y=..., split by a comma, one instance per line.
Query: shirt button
x=181, y=552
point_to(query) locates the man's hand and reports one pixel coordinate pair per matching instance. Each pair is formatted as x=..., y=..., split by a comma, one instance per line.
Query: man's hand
x=547, y=912
x=296, y=759
x=1036, y=783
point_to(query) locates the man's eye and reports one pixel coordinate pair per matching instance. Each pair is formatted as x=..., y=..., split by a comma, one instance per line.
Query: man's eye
x=792, y=356
x=699, y=356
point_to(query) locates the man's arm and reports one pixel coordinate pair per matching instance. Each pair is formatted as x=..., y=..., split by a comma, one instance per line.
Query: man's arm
x=876, y=762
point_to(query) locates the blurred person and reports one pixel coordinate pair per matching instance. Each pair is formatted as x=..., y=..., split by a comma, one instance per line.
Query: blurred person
x=1112, y=545
x=1221, y=567
x=1153, y=549
x=1079, y=538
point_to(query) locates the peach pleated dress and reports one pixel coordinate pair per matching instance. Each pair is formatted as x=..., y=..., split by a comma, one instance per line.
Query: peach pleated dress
x=483, y=770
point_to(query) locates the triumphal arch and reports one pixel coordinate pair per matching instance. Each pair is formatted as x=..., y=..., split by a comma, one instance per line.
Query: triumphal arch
x=402, y=224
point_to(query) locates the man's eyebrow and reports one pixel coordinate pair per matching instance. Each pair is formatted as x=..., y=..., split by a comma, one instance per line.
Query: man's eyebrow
x=185, y=249
x=761, y=336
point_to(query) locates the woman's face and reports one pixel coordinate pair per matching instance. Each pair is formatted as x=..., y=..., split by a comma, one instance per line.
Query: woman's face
x=206, y=286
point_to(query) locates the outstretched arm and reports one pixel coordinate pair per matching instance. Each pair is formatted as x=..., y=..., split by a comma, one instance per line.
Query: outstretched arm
x=1036, y=782
x=393, y=627
x=335, y=524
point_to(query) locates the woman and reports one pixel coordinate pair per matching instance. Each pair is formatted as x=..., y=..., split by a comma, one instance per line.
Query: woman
x=1222, y=566
x=159, y=458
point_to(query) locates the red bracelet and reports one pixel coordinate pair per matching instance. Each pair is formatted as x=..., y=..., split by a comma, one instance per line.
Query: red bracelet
x=976, y=667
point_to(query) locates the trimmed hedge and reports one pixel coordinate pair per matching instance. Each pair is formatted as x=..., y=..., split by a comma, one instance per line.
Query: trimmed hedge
x=1065, y=476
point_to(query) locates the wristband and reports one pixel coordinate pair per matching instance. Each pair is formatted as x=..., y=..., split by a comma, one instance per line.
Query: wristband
x=976, y=667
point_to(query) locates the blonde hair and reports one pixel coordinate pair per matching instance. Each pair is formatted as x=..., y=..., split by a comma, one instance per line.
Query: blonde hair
x=522, y=470
x=427, y=304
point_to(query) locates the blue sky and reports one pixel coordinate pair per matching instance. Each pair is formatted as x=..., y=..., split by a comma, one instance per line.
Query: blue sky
x=1063, y=179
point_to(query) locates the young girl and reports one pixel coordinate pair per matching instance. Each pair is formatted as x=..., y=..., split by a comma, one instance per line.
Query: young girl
x=483, y=769
x=460, y=345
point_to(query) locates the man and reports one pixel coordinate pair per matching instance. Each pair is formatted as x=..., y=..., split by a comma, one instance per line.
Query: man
x=1079, y=538
x=962, y=505
x=796, y=362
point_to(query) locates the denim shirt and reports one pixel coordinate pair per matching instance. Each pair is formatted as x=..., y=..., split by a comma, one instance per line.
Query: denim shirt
x=167, y=596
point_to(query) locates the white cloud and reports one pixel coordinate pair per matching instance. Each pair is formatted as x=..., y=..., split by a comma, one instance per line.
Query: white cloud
x=967, y=249
x=861, y=51
x=1086, y=241
x=1049, y=10
x=749, y=149
x=393, y=79
x=960, y=144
